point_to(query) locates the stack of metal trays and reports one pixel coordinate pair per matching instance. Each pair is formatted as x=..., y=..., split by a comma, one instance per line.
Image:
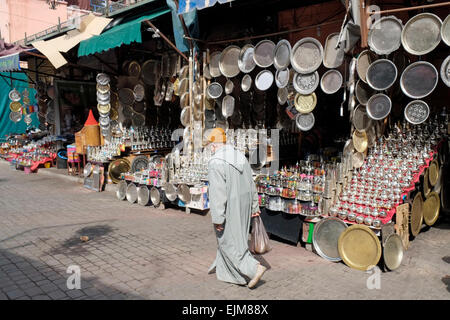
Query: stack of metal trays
x=104, y=103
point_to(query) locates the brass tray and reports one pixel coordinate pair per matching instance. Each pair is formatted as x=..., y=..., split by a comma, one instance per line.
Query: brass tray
x=359, y=247
x=305, y=103
x=431, y=208
x=393, y=252
x=426, y=184
x=15, y=106
x=416, y=215
x=433, y=172
x=360, y=141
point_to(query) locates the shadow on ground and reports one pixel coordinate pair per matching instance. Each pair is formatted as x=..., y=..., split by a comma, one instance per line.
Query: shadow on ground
x=24, y=278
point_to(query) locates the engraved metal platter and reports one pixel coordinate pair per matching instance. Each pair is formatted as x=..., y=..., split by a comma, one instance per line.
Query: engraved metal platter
x=422, y=34
x=263, y=53
x=306, y=83
x=102, y=79
x=381, y=74
x=331, y=81
x=307, y=55
x=385, y=35
x=228, y=61
x=359, y=247
x=361, y=120
x=379, y=106
x=305, y=103
x=282, y=54
x=305, y=121
x=282, y=77
x=445, y=31
x=325, y=238
x=15, y=106
x=332, y=57
x=445, y=71
x=416, y=112
x=246, y=62
x=264, y=80
x=214, y=69
x=416, y=214
x=214, y=90
x=14, y=95
x=363, y=92
x=419, y=79
x=431, y=208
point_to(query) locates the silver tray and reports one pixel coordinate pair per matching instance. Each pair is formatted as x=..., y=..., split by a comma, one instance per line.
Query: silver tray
x=16, y=116
x=325, y=238
x=121, y=191
x=363, y=62
x=445, y=71
x=14, y=95
x=246, y=83
x=445, y=31
x=229, y=61
x=246, y=62
x=132, y=193
x=385, y=35
x=264, y=80
x=419, y=79
x=416, y=112
x=307, y=55
x=263, y=54
x=363, y=92
x=143, y=195
x=214, y=90
x=332, y=57
x=282, y=95
x=305, y=121
x=379, y=106
x=361, y=120
x=155, y=196
x=422, y=34
x=282, y=54
x=227, y=106
x=381, y=74
x=306, y=83
x=282, y=77
x=214, y=69
x=185, y=116
x=331, y=81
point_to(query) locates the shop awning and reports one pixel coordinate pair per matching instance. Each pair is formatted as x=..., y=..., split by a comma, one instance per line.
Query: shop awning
x=125, y=33
x=9, y=56
x=189, y=5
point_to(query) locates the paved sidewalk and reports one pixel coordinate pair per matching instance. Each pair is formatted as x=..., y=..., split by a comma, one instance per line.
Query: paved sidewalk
x=138, y=252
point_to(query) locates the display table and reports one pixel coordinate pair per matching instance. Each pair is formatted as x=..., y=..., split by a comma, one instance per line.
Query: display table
x=283, y=225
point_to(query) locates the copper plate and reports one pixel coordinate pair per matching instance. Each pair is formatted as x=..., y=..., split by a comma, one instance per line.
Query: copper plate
x=325, y=238
x=393, y=252
x=359, y=247
x=305, y=103
x=431, y=208
x=360, y=141
x=416, y=215
x=433, y=172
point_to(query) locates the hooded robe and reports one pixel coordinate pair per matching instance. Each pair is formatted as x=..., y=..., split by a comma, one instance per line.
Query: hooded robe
x=233, y=198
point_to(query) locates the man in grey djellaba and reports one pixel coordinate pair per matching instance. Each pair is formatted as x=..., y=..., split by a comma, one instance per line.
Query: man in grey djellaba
x=233, y=199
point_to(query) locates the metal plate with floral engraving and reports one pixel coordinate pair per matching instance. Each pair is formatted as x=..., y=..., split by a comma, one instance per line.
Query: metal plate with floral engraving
x=416, y=112
x=306, y=83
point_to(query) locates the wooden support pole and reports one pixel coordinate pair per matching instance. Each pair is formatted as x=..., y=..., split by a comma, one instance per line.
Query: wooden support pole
x=167, y=40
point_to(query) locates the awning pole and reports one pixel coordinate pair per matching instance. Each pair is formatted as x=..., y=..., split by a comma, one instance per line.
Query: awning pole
x=427, y=6
x=167, y=40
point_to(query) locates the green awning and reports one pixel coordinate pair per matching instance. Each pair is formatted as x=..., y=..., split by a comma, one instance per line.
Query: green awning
x=125, y=33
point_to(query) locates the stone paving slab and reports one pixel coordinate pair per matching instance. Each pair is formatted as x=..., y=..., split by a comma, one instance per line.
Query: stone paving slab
x=139, y=252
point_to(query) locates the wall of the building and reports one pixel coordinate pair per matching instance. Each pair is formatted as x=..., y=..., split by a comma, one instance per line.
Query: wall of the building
x=18, y=17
